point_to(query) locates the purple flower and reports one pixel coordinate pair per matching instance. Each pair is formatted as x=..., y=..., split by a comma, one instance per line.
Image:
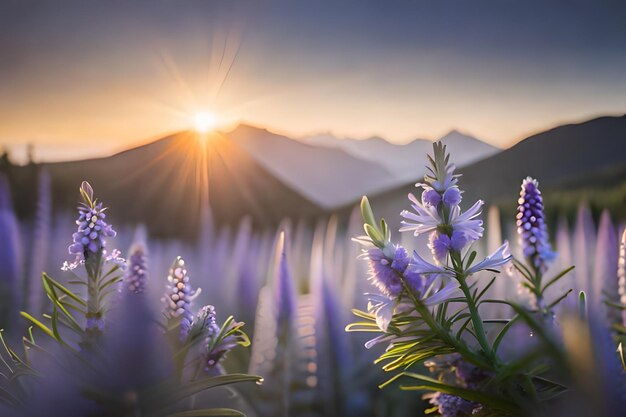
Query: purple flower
x=452, y=196
x=219, y=340
x=208, y=317
x=451, y=405
x=178, y=297
x=95, y=325
x=467, y=223
x=425, y=219
x=455, y=229
x=431, y=197
x=137, y=271
x=387, y=268
x=439, y=244
x=497, y=258
x=531, y=226
x=92, y=228
x=458, y=240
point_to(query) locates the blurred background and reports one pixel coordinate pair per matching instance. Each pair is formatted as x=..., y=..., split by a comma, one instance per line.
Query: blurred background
x=210, y=127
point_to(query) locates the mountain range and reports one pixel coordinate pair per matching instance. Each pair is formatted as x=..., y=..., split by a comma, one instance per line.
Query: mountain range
x=568, y=157
x=404, y=161
x=252, y=171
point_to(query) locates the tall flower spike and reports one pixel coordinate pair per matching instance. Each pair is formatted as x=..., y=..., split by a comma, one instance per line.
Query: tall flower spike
x=137, y=271
x=438, y=212
x=208, y=318
x=90, y=238
x=621, y=274
x=531, y=226
x=178, y=297
x=217, y=343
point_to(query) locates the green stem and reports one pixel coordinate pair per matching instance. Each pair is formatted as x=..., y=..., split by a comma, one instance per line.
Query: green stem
x=445, y=335
x=93, y=265
x=477, y=321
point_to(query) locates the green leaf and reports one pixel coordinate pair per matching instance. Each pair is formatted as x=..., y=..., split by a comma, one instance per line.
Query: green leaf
x=471, y=258
x=9, y=399
x=374, y=234
x=86, y=191
x=558, y=300
x=503, y=332
x=431, y=384
x=55, y=328
x=556, y=278
x=49, y=282
x=39, y=324
x=615, y=305
x=386, y=231
x=523, y=270
x=484, y=290
x=582, y=305
x=367, y=213
x=111, y=281
x=180, y=392
x=208, y=412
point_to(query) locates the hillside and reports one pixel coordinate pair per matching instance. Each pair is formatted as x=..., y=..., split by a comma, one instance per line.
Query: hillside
x=331, y=177
x=592, y=153
x=160, y=184
x=403, y=160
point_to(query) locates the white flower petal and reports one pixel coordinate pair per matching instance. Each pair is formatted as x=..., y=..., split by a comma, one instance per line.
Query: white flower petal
x=442, y=295
x=499, y=257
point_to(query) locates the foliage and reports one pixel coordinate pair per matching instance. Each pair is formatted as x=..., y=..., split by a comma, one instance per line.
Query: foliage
x=102, y=350
x=425, y=321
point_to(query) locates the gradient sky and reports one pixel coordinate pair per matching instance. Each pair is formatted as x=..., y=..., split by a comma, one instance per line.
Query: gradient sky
x=90, y=77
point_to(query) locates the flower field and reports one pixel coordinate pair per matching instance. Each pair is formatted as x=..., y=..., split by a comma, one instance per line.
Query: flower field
x=453, y=315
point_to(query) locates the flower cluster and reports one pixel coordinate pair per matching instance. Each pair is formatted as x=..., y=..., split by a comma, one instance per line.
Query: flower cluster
x=216, y=349
x=178, y=297
x=428, y=310
x=531, y=226
x=396, y=274
x=217, y=340
x=387, y=268
x=137, y=272
x=454, y=370
x=90, y=238
x=439, y=213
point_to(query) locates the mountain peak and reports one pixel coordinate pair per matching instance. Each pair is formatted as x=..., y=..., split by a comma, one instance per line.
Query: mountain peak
x=455, y=134
x=458, y=137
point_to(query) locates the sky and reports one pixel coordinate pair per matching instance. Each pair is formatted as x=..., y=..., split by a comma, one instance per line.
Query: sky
x=84, y=78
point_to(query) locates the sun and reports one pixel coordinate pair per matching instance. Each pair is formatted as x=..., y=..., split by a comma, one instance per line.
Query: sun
x=204, y=122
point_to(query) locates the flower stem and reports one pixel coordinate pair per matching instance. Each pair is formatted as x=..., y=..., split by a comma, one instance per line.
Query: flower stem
x=477, y=321
x=458, y=344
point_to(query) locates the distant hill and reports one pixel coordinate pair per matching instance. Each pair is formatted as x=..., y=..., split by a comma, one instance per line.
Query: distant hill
x=251, y=171
x=565, y=157
x=161, y=184
x=404, y=161
x=331, y=177
x=248, y=171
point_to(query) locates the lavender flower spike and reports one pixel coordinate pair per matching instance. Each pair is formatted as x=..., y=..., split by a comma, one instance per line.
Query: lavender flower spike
x=531, y=226
x=438, y=212
x=90, y=238
x=178, y=297
x=137, y=271
x=207, y=317
x=621, y=274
